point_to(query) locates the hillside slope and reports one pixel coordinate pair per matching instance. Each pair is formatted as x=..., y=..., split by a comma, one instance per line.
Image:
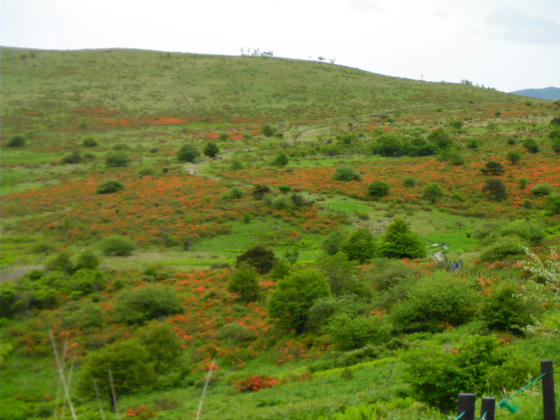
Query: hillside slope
x=549, y=93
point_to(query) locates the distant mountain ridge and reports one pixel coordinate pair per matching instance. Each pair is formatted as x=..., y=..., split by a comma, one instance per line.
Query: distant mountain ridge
x=550, y=93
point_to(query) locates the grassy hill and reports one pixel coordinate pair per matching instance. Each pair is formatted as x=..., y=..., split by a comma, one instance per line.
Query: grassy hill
x=441, y=200
x=549, y=93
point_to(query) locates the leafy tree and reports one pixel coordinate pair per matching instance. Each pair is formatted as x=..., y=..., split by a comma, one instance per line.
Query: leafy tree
x=493, y=168
x=280, y=160
x=552, y=204
x=531, y=145
x=349, y=332
x=514, y=157
x=259, y=257
x=333, y=242
x=378, y=189
x=433, y=193
x=345, y=173
x=400, y=242
x=127, y=362
x=117, y=159
x=289, y=303
x=441, y=138
x=340, y=271
x=109, y=187
x=136, y=306
x=163, y=345
x=410, y=182
x=389, y=145
x=244, y=282
x=540, y=190
x=119, y=246
x=259, y=191
x=359, y=246
x=61, y=262
x=87, y=259
x=495, y=189
x=211, y=150
x=187, y=153
x=74, y=157
x=268, y=131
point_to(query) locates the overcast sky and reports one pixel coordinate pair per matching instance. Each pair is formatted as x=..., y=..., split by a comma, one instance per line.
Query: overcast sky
x=505, y=44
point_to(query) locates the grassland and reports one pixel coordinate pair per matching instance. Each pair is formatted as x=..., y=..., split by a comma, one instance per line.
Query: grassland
x=191, y=220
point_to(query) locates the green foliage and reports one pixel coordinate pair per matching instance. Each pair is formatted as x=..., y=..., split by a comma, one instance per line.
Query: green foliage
x=434, y=303
x=433, y=193
x=87, y=259
x=163, y=345
x=119, y=246
x=400, y=242
x=236, y=333
x=341, y=272
x=259, y=257
x=473, y=143
x=85, y=281
x=359, y=246
x=378, y=189
x=346, y=173
x=289, y=304
x=531, y=145
x=495, y=189
x=130, y=367
x=555, y=143
x=211, y=150
x=187, y=153
x=508, y=309
x=540, y=190
x=350, y=332
x=514, y=157
x=136, y=306
x=280, y=160
x=453, y=157
x=16, y=141
x=61, y=262
x=267, y=130
x=501, y=248
x=109, y=187
x=83, y=316
x=236, y=165
x=333, y=242
x=410, y=182
x=441, y=138
x=89, y=142
x=117, y=159
x=552, y=204
x=72, y=158
x=281, y=203
x=281, y=269
x=389, y=145
x=244, y=282
x=259, y=191
x=493, y=168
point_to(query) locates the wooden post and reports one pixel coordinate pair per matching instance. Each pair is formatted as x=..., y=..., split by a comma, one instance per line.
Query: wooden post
x=489, y=407
x=549, y=404
x=466, y=405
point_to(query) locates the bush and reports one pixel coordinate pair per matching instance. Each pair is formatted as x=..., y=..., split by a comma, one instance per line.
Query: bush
x=130, y=366
x=280, y=160
x=89, y=142
x=234, y=194
x=349, y=332
x=453, y=157
x=531, y=145
x=268, y=131
x=187, y=153
x=83, y=316
x=244, y=282
x=389, y=145
x=340, y=271
x=259, y=257
x=146, y=172
x=117, y=159
x=119, y=246
x=433, y=193
x=281, y=203
x=410, y=182
x=400, y=242
x=110, y=186
x=211, y=150
x=552, y=204
x=163, y=345
x=495, y=189
x=136, y=306
x=359, y=246
x=236, y=333
x=344, y=173
x=259, y=191
x=72, y=158
x=473, y=143
x=541, y=190
x=441, y=138
x=378, y=189
x=61, y=262
x=289, y=304
x=493, y=168
x=556, y=145
x=333, y=242
x=434, y=303
x=503, y=247
x=507, y=309
x=85, y=281
x=514, y=157
x=16, y=141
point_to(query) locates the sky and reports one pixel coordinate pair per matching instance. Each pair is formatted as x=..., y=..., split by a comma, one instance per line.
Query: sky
x=503, y=44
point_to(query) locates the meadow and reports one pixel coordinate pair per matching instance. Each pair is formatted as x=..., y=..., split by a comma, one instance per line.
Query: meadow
x=192, y=236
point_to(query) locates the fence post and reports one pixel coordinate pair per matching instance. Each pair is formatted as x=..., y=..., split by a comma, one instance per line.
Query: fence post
x=466, y=405
x=489, y=407
x=549, y=405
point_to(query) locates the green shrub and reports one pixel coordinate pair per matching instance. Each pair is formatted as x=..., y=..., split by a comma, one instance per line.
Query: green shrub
x=281, y=203
x=187, y=153
x=117, y=159
x=268, y=131
x=555, y=143
x=136, y=306
x=244, y=282
x=389, y=145
x=211, y=150
x=280, y=160
x=280, y=270
x=453, y=157
x=83, y=315
x=433, y=193
x=349, y=332
x=473, y=143
x=345, y=173
x=501, y=248
x=61, y=262
x=163, y=345
x=359, y=246
x=493, y=168
x=540, y=190
x=514, y=157
x=495, y=189
x=377, y=189
x=400, y=242
x=119, y=246
x=130, y=367
x=507, y=309
x=234, y=194
x=87, y=259
x=236, y=165
x=109, y=187
x=333, y=242
x=16, y=141
x=341, y=272
x=289, y=304
x=441, y=138
x=552, y=204
x=236, y=333
x=146, y=172
x=434, y=303
x=531, y=145
x=527, y=230
x=89, y=142
x=259, y=257
x=72, y=158
x=410, y=182
x=85, y=281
